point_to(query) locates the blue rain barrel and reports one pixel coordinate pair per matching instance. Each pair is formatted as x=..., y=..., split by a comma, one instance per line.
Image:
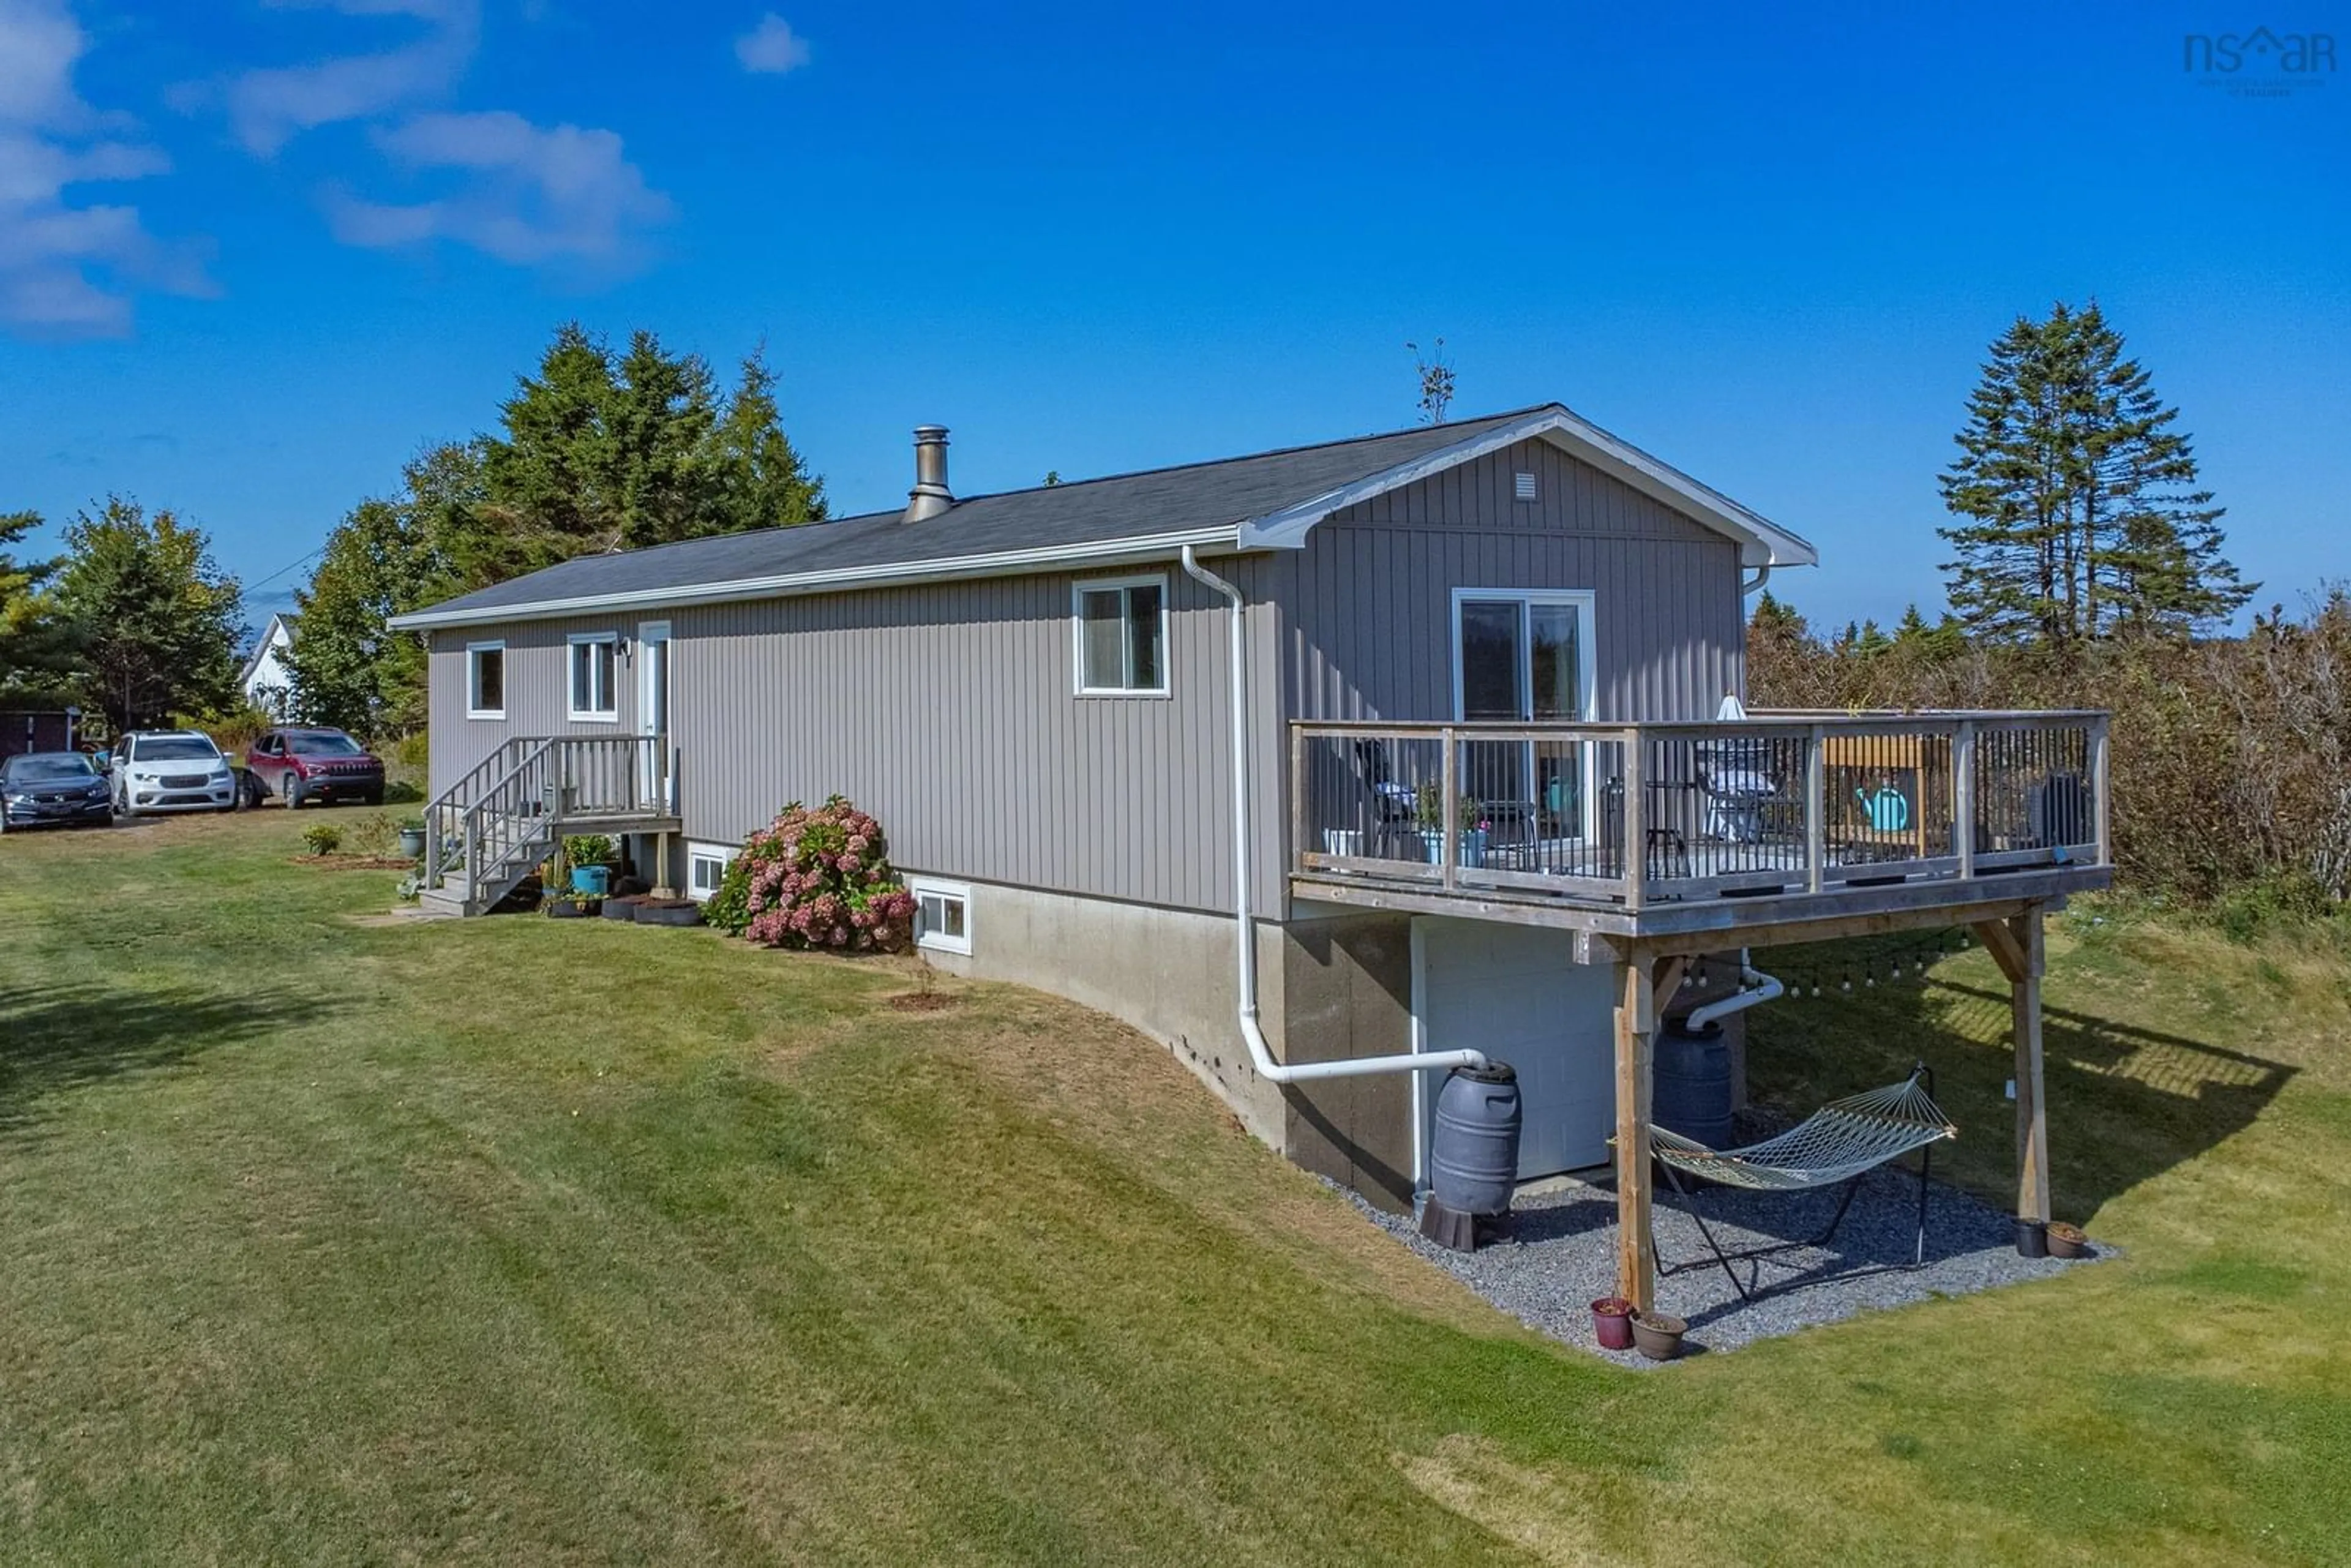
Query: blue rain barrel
x=1692, y=1085
x=1473, y=1161
x=592, y=880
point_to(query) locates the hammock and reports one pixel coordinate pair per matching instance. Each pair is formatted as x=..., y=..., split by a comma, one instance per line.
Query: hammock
x=1841, y=1142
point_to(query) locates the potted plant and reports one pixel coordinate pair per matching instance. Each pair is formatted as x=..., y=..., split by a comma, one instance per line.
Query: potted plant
x=1611, y=1322
x=571, y=905
x=412, y=839
x=1659, y=1335
x=2067, y=1241
x=1428, y=803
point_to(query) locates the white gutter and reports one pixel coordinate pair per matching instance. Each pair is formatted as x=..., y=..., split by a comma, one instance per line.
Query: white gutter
x=1245, y=923
x=950, y=569
x=1762, y=575
x=1757, y=989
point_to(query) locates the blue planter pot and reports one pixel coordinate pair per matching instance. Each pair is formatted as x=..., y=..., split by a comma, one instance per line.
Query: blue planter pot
x=595, y=880
x=1469, y=848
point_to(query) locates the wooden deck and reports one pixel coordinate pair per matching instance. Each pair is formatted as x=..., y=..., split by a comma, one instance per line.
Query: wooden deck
x=1774, y=821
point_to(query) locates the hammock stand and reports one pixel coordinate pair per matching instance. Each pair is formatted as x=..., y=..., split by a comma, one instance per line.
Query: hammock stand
x=1839, y=1144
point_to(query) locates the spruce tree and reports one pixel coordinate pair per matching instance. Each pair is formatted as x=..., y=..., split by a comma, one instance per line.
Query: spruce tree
x=2081, y=513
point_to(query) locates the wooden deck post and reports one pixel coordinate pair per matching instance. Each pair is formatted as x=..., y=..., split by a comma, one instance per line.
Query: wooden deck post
x=1636, y=1023
x=2017, y=945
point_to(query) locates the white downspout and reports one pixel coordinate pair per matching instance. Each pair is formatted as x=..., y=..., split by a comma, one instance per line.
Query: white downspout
x=1245, y=924
x=1757, y=989
x=1762, y=575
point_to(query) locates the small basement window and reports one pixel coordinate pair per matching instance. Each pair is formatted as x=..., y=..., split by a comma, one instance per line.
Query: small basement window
x=1122, y=630
x=595, y=665
x=705, y=868
x=485, y=680
x=942, y=915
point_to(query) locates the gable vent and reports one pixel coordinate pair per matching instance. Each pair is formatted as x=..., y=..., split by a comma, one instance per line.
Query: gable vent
x=1526, y=488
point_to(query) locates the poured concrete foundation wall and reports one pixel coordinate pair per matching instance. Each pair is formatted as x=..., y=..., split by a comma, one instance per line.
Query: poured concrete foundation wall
x=1347, y=993
x=1167, y=972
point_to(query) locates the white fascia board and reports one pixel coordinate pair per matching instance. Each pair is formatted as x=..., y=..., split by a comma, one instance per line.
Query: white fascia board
x=1761, y=542
x=1002, y=563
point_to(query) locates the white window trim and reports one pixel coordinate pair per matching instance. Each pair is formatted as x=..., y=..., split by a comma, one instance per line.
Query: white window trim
x=699, y=850
x=1586, y=602
x=1078, y=591
x=576, y=713
x=473, y=686
x=941, y=887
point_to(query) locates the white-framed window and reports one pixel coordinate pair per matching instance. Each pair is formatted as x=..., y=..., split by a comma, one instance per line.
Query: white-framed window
x=942, y=914
x=485, y=680
x=595, y=669
x=1120, y=629
x=705, y=868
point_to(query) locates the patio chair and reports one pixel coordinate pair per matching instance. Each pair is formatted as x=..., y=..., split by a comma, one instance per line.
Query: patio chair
x=1394, y=830
x=1738, y=783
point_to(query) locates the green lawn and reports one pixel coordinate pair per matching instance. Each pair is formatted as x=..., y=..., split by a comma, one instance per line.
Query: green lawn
x=520, y=1241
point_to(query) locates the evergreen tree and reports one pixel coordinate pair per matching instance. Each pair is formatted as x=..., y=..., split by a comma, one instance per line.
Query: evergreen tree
x=2081, y=513
x=762, y=482
x=159, y=623
x=37, y=647
x=601, y=454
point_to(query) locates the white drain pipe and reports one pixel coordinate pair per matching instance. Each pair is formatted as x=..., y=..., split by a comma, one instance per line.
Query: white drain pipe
x=1245, y=924
x=1756, y=989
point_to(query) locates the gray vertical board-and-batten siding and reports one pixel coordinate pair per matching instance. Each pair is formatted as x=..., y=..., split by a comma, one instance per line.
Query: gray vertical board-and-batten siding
x=1368, y=628
x=538, y=688
x=950, y=711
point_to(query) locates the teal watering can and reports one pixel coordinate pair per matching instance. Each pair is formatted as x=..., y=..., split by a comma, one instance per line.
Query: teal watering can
x=1886, y=808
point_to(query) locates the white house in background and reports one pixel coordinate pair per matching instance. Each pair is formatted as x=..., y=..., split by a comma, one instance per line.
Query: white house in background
x=268, y=683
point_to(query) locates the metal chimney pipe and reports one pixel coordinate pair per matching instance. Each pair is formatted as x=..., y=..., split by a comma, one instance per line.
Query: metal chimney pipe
x=930, y=496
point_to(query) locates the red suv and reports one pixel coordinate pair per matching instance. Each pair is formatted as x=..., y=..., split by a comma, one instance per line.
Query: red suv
x=322, y=765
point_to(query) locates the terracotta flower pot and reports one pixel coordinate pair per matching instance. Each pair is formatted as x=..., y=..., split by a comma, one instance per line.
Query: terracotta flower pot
x=2067, y=1241
x=1658, y=1336
x=1611, y=1322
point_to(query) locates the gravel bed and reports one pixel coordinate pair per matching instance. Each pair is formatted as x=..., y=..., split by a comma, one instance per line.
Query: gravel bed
x=1560, y=1255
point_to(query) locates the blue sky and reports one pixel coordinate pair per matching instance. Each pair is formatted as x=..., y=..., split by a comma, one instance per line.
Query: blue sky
x=254, y=254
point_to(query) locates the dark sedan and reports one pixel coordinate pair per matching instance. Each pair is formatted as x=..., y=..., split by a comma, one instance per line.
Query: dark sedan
x=44, y=789
x=321, y=765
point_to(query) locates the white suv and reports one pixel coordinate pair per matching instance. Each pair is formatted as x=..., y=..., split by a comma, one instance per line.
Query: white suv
x=170, y=770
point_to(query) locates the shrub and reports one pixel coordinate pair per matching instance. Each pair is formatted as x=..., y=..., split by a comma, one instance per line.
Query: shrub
x=323, y=839
x=373, y=836
x=400, y=792
x=816, y=878
x=412, y=751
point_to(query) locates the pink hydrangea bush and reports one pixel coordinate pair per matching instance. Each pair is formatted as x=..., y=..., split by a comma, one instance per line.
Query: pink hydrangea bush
x=816, y=878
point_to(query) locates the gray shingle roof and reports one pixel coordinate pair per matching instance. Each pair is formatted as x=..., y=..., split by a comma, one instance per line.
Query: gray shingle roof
x=1096, y=512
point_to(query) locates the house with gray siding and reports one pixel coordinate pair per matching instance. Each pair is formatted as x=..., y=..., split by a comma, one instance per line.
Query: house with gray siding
x=1330, y=767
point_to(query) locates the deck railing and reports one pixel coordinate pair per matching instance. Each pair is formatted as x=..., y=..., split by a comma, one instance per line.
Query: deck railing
x=1632, y=815
x=502, y=817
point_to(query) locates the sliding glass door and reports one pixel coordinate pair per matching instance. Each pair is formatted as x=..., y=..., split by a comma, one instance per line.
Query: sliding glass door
x=1524, y=656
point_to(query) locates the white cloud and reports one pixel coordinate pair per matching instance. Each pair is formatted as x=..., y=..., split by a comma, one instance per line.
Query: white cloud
x=271, y=105
x=772, y=47
x=68, y=270
x=534, y=196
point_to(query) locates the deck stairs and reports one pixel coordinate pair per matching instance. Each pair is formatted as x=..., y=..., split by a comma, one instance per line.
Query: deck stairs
x=493, y=827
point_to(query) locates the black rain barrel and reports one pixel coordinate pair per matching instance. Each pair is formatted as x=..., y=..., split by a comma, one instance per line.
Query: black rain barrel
x=1473, y=1161
x=1692, y=1092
